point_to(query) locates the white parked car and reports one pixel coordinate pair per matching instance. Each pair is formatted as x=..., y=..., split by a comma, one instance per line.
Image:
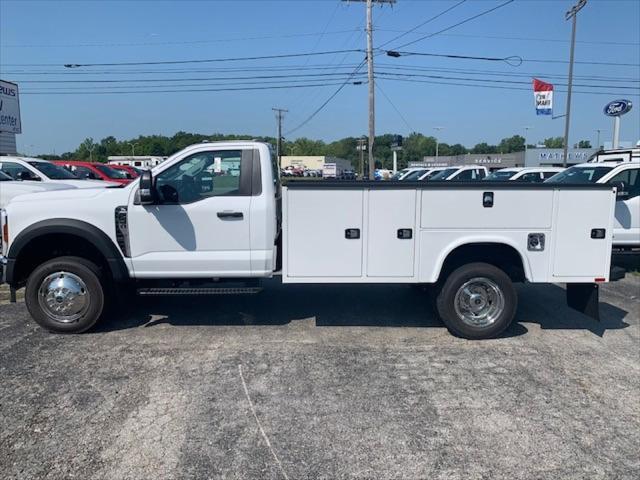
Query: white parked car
x=37, y=170
x=626, y=177
x=10, y=188
x=523, y=174
x=467, y=173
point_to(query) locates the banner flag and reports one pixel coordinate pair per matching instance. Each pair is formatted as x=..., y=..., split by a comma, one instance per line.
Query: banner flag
x=543, y=94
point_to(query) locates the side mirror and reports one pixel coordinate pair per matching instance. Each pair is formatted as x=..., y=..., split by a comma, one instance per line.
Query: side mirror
x=621, y=190
x=146, y=188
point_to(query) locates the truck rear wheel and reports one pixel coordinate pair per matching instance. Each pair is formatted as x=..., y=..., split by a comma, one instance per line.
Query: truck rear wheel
x=65, y=295
x=477, y=301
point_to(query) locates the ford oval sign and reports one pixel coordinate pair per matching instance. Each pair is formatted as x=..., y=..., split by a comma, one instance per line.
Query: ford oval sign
x=617, y=108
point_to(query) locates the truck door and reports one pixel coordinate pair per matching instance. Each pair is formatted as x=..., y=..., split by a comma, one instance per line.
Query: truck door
x=627, y=218
x=199, y=226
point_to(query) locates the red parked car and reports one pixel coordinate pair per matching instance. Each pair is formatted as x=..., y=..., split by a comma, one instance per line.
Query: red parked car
x=94, y=171
x=130, y=171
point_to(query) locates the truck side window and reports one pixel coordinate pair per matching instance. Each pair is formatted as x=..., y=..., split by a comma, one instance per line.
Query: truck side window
x=465, y=176
x=13, y=169
x=631, y=179
x=200, y=176
x=531, y=177
x=83, y=172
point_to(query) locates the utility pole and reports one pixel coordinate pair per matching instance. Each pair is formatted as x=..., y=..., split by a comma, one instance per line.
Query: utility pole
x=91, y=152
x=362, y=145
x=571, y=14
x=372, y=98
x=279, y=117
x=437, y=129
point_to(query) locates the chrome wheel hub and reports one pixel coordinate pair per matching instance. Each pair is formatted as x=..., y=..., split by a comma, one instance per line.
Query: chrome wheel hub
x=479, y=302
x=64, y=297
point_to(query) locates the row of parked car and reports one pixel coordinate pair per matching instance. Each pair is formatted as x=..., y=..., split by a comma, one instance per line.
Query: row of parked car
x=20, y=175
x=471, y=173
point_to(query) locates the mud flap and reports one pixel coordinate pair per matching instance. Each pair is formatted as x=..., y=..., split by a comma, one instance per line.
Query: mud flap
x=584, y=297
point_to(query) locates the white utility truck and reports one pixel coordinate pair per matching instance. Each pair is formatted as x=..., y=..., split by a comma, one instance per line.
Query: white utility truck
x=192, y=226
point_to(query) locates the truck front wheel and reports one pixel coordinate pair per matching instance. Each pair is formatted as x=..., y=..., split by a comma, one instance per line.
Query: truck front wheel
x=65, y=295
x=477, y=301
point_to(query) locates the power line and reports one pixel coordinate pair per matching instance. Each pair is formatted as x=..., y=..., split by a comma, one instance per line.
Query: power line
x=191, y=42
x=193, y=79
x=423, y=23
x=485, y=12
x=499, y=87
x=278, y=87
x=326, y=102
x=502, y=37
x=176, y=62
x=125, y=87
x=514, y=60
x=491, y=80
x=395, y=108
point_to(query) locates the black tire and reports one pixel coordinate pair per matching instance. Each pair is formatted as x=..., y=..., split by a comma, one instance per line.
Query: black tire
x=446, y=301
x=88, y=272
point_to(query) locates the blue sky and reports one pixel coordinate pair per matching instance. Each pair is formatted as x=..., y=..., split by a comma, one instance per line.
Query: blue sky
x=56, y=33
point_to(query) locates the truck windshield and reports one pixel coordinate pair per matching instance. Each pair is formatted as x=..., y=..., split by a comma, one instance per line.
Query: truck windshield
x=112, y=172
x=443, y=174
x=54, y=172
x=500, y=176
x=579, y=175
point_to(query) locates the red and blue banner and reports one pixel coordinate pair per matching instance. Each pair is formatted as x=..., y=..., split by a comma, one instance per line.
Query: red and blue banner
x=543, y=93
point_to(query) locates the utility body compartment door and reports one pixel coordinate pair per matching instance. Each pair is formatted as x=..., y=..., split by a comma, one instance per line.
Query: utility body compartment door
x=580, y=252
x=391, y=233
x=323, y=233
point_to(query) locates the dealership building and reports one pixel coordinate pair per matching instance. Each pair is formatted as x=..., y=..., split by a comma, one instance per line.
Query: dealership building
x=533, y=157
x=311, y=162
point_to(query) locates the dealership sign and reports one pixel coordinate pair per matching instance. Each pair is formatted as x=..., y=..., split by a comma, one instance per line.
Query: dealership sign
x=617, y=108
x=9, y=108
x=543, y=94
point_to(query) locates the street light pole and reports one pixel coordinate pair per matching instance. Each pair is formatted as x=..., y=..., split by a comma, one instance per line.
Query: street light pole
x=437, y=129
x=571, y=14
x=133, y=148
x=526, y=130
x=598, y=142
x=91, y=152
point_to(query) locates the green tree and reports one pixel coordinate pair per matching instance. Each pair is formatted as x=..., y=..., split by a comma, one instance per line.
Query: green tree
x=584, y=144
x=484, y=148
x=511, y=144
x=554, y=142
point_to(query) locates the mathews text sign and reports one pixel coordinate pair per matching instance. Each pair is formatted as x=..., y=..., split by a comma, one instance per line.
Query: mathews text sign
x=9, y=108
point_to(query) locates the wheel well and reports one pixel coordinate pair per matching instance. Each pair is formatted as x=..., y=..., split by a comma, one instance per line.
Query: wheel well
x=503, y=256
x=52, y=245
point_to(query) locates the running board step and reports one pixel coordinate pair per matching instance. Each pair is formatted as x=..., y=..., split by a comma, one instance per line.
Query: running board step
x=197, y=291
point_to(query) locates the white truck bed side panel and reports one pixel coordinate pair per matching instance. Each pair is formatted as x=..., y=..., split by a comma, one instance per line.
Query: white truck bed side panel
x=389, y=211
x=315, y=224
x=452, y=209
x=576, y=254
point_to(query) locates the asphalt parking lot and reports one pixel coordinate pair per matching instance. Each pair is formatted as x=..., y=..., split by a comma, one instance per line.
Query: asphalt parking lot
x=324, y=382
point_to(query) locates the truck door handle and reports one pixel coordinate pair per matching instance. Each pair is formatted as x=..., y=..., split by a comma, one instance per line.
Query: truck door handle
x=352, y=233
x=405, y=233
x=225, y=215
